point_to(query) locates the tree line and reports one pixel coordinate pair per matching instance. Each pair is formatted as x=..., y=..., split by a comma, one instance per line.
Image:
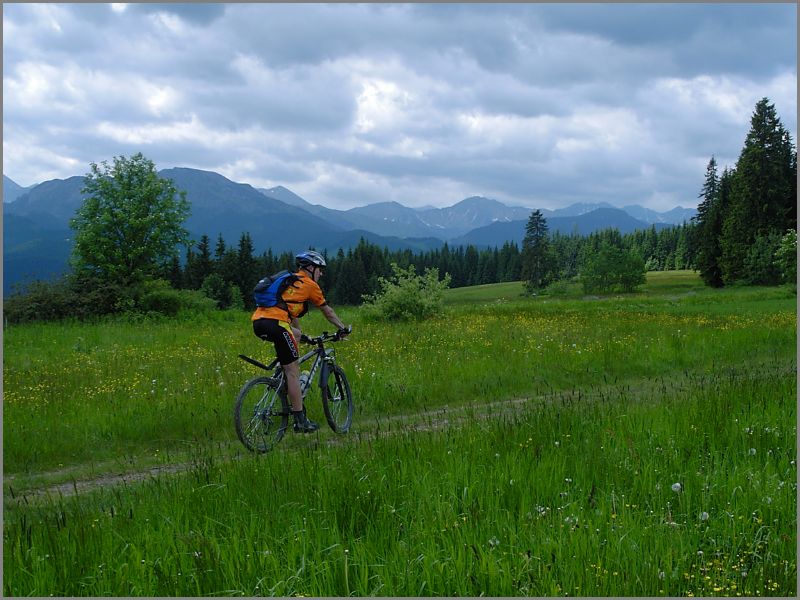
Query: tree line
x=227, y=273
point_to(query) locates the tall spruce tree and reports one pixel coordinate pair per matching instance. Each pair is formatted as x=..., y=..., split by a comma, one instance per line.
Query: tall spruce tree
x=763, y=193
x=220, y=249
x=247, y=273
x=199, y=265
x=352, y=280
x=718, y=214
x=538, y=259
x=709, y=228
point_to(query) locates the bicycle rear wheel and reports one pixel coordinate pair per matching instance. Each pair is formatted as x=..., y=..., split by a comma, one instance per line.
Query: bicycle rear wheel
x=337, y=401
x=261, y=414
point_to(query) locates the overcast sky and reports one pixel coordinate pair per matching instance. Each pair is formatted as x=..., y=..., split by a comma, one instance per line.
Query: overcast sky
x=540, y=105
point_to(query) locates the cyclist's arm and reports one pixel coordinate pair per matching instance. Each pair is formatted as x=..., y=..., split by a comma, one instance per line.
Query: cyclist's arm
x=319, y=301
x=330, y=314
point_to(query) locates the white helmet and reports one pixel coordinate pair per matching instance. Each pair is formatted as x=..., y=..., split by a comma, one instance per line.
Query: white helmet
x=310, y=257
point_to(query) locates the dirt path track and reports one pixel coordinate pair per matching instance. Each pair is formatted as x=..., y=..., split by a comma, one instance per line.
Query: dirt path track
x=433, y=420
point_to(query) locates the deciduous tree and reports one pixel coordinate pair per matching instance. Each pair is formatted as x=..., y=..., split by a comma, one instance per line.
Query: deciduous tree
x=130, y=225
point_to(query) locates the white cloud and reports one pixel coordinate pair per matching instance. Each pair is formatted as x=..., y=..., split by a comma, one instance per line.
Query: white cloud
x=191, y=130
x=380, y=104
x=31, y=86
x=49, y=16
x=721, y=95
x=161, y=99
x=169, y=23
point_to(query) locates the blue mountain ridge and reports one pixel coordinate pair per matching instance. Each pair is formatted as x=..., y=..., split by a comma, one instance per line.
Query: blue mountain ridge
x=37, y=239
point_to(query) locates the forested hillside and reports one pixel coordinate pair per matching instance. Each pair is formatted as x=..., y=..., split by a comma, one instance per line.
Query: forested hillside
x=228, y=271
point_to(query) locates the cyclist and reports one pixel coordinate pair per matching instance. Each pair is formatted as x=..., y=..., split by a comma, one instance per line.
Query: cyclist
x=281, y=326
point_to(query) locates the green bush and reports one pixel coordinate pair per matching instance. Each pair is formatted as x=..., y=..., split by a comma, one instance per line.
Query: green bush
x=225, y=295
x=39, y=301
x=760, y=266
x=563, y=287
x=159, y=297
x=612, y=269
x=68, y=297
x=214, y=287
x=237, y=300
x=85, y=298
x=407, y=296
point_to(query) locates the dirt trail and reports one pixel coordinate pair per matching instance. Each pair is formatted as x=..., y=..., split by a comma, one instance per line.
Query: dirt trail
x=433, y=420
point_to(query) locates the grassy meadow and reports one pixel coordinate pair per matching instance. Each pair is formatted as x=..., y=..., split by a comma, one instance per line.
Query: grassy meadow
x=642, y=444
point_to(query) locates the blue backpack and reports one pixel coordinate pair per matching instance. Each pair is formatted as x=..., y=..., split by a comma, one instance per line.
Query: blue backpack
x=268, y=291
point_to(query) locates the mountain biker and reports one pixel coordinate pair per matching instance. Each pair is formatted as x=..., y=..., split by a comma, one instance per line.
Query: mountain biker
x=281, y=326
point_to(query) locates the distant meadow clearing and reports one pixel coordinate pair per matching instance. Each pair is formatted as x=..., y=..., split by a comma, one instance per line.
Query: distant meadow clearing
x=639, y=445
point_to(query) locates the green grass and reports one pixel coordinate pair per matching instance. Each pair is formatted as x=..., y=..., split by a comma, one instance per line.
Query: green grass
x=495, y=292
x=658, y=283
x=514, y=446
x=565, y=497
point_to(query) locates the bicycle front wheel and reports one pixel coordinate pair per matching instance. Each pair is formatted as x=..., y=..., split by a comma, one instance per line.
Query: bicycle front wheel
x=337, y=401
x=261, y=414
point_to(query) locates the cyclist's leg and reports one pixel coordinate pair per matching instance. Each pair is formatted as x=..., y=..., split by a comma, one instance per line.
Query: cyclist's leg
x=302, y=424
x=281, y=335
x=292, y=374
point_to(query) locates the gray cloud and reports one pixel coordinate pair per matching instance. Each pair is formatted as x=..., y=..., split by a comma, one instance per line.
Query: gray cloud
x=347, y=104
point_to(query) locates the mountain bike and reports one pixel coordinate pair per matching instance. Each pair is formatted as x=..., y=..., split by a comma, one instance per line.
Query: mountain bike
x=261, y=412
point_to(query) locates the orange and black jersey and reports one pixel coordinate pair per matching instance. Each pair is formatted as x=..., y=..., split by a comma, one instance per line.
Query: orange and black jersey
x=296, y=296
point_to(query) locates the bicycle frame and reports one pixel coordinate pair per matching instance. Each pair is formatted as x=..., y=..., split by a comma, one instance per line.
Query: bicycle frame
x=324, y=357
x=317, y=353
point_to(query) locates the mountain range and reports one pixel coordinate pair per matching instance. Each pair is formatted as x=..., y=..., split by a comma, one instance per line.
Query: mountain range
x=37, y=239
x=12, y=190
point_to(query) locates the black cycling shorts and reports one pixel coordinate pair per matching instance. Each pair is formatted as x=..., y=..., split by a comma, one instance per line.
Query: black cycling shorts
x=280, y=334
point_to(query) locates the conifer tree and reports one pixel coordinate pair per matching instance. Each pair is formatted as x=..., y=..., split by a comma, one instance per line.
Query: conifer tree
x=709, y=228
x=198, y=265
x=538, y=259
x=246, y=274
x=763, y=193
x=470, y=271
x=220, y=248
x=352, y=280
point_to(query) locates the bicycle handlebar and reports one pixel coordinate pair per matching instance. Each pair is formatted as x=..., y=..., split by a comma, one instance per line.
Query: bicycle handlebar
x=327, y=337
